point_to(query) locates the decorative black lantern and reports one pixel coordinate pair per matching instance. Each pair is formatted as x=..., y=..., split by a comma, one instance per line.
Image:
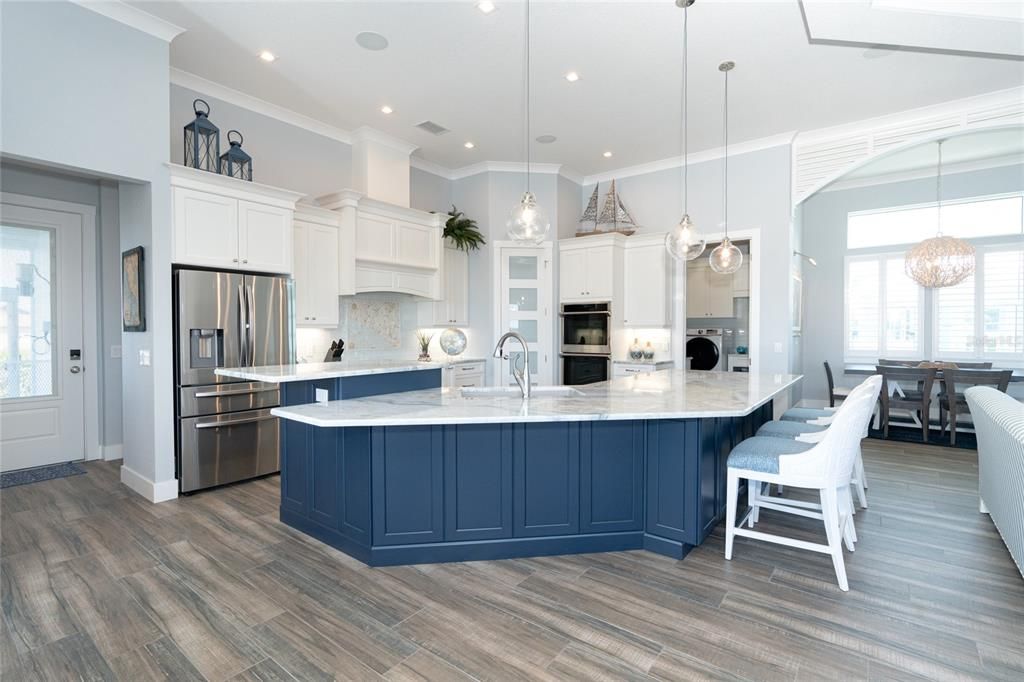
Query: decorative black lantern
x=202, y=141
x=235, y=162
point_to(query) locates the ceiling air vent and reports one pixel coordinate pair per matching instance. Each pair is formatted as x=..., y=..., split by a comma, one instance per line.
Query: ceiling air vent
x=432, y=128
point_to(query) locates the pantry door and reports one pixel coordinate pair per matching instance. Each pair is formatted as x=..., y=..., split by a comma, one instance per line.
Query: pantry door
x=42, y=369
x=523, y=277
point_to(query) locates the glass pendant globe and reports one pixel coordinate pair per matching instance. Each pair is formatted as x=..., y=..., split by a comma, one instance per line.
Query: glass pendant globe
x=684, y=241
x=527, y=222
x=725, y=258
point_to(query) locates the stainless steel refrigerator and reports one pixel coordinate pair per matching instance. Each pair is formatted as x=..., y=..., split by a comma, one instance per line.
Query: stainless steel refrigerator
x=225, y=432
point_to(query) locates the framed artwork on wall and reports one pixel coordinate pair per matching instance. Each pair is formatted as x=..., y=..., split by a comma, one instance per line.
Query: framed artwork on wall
x=133, y=294
x=798, y=304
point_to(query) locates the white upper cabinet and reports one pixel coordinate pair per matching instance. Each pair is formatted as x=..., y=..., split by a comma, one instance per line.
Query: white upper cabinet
x=227, y=223
x=741, y=280
x=708, y=293
x=648, y=280
x=587, y=270
x=316, y=269
x=453, y=310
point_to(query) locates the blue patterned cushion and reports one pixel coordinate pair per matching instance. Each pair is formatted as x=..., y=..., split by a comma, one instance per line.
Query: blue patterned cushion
x=805, y=414
x=761, y=453
x=788, y=429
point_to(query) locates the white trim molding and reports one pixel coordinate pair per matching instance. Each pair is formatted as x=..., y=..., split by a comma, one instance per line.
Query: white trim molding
x=154, y=491
x=924, y=173
x=822, y=156
x=711, y=154
x=134, y=17
x=224, y=93
x=109, y=453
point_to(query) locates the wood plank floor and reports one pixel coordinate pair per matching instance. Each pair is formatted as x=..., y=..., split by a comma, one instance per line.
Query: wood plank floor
x=98, y=584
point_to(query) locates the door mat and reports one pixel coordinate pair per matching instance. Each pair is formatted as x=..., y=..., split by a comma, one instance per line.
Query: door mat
x=46, y=473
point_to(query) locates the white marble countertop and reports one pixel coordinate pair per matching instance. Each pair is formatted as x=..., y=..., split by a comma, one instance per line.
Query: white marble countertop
x=642, y=362
x=672, y=394
x=308, y=371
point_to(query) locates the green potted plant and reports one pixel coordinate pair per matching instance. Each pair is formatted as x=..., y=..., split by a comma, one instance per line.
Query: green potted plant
x=462, y=231
x=424, y=338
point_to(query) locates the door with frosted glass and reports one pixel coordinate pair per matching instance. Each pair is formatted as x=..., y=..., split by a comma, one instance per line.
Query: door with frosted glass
x=526, y=308
x=42, y=358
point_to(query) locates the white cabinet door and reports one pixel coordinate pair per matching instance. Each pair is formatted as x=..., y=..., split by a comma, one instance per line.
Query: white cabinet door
x=265, y=237
x=719, y=294
x=375, y=239
x=646, y=289
x=741, y=280
x=600, y=272
x=205, y=229
x=572, y=274
x=303, y=281
x=696, y=290
x=415, y=245
x=453, y=309
x=323, y=274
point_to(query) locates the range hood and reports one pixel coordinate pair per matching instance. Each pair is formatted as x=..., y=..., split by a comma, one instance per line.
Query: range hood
x=384, y=245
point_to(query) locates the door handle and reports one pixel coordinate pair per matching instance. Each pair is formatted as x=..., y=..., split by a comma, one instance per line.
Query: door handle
x=75, y=369
x=250, y=297
x=223, y=394
x=217, y=425
x=243, y=335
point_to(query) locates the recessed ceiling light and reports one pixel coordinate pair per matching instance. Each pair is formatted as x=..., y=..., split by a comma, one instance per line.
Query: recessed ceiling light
x=371, y=40
x=267, y=56
x=486, y=6
x=546, y=139
x=572, y=76
x=468, y=145
x=607, y=155
x=386, y=109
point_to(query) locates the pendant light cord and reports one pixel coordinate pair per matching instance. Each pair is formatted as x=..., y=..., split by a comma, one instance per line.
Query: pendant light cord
x=938, y=194
x=725, y=117
x=527, y=105
x=685, y=112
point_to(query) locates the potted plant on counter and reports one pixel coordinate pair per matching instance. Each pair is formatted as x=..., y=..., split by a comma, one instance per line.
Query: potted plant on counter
x=462, y=231
x=423, y=338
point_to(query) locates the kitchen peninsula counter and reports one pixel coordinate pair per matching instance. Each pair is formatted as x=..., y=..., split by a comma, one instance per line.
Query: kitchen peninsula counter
x=459, y=475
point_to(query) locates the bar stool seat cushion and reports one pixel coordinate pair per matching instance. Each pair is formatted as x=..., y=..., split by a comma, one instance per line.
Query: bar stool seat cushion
x=761, y=453
x=805, y=414
x=781, y=429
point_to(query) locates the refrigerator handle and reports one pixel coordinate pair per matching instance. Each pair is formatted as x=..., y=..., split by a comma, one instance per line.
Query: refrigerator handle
x=251, y=323
x=243, y=335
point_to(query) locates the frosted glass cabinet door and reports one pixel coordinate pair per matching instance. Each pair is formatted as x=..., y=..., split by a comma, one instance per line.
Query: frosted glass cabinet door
x=525, y=308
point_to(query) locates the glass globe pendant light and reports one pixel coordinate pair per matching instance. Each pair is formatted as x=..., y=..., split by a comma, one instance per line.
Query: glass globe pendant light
x=527, y=222
x=725, y=258
x=684, y=241
x=939, y=261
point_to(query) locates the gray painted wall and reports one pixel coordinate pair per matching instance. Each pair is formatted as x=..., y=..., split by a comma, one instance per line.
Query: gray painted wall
x=102, y=195
x=96, y=101
x=823, y=219
x=759, y=197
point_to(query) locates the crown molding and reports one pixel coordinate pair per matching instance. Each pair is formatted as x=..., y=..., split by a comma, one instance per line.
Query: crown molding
x=202, y=85
x=368, y=134
x=925, y=173
x=134, y=17
x=712, y=154
x=430, y=167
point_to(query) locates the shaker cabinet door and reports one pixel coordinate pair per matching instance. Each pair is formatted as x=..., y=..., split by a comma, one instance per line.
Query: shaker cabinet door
x=265, y=237
x=323, y=274
x=205, y=229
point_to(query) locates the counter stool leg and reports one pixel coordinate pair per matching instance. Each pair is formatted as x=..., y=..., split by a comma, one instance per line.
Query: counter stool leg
x=732, y=491
x=830, y=514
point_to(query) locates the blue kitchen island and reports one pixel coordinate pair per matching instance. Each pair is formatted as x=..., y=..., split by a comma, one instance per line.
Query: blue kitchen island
x=431, y=475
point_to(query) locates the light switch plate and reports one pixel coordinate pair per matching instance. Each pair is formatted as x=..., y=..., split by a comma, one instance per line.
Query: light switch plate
x=321, y=395
x=115, y=351
x=778, y=346
x=145, y=358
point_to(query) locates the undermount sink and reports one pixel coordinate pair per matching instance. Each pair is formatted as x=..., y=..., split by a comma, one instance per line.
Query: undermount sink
x=513, y=391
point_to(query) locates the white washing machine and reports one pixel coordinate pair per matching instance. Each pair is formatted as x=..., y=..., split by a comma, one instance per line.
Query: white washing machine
x=704, y=349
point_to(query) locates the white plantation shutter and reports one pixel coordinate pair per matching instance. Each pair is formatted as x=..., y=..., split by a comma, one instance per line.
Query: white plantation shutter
x=954, y=320
x=1003, y=301
x=862, y=307
x=902, y=310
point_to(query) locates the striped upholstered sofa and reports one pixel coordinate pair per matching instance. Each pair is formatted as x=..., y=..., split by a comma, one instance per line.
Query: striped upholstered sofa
x=999, y=424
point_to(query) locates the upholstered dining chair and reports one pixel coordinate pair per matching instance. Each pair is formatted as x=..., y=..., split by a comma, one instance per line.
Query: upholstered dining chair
x=917, y=399
x=834, y=393
x=955, y=382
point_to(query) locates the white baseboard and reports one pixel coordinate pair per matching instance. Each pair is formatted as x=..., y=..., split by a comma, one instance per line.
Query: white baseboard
x=109, y=453
x=160, y=491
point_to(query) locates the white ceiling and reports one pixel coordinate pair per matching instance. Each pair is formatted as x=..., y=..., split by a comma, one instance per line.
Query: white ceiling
x=450, y=63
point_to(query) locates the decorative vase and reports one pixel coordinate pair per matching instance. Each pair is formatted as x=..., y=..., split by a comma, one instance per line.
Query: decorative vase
x=424, y=356
x=648, y=351
x=636, y=351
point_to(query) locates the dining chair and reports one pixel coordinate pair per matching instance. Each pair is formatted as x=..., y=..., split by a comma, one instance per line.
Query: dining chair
x=969, y=365
x=834, y=393
x=952, y=401
x=826, y=466
x=917, y=399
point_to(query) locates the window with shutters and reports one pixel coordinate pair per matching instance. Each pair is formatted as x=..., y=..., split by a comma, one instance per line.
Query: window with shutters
x=883, y=309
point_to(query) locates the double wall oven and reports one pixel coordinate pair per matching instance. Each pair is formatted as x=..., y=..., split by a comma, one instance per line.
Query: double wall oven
x=586, y=350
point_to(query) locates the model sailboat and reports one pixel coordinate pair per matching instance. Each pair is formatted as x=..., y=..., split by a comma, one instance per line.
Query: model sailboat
x=613, y=216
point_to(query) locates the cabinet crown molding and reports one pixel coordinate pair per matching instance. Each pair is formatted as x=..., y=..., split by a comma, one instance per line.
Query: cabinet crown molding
x=182, y=176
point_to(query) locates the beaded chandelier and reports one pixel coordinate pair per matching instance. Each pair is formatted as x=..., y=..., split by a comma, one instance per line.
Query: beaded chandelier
x=940, y=261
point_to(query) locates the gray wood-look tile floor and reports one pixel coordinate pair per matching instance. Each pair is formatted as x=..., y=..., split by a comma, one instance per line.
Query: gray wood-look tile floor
x=98, y=584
